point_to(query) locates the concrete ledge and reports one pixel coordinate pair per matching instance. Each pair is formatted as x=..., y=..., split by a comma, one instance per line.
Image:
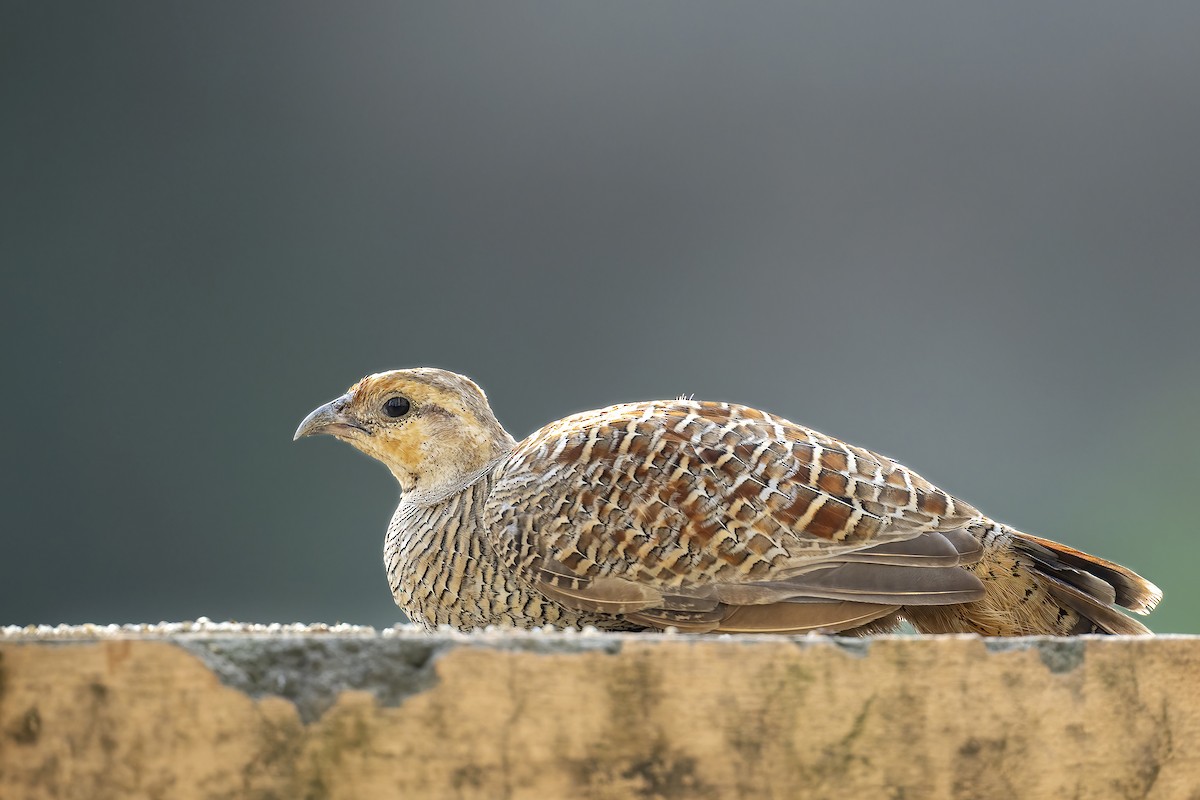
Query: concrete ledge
x=352, y=713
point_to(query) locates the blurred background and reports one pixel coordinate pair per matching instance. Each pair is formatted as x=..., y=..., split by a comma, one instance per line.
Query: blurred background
x=967, y=237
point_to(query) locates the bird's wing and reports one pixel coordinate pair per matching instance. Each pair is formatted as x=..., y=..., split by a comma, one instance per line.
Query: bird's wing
x=709, y=516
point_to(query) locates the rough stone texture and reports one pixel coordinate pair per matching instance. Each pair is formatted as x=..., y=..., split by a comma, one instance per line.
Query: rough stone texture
x=557, y=715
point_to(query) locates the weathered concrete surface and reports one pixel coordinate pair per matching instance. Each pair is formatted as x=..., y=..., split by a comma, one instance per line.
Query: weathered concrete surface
x=568, y=715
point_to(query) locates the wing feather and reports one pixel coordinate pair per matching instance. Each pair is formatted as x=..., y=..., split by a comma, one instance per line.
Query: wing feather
x=617, y=509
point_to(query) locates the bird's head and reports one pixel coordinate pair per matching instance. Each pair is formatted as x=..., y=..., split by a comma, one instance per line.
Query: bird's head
x=430, y=427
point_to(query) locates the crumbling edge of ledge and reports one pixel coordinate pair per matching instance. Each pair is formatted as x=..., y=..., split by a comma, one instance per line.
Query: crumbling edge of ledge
x=229, y=709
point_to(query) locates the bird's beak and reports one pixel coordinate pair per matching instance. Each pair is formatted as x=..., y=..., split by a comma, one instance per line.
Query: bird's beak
x=329, y=418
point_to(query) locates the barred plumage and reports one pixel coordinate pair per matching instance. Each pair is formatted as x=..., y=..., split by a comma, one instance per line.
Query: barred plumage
x=702, y=516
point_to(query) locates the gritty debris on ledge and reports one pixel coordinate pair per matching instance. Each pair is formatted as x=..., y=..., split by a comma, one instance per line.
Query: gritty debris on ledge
x=202, y=625
x=205, y=626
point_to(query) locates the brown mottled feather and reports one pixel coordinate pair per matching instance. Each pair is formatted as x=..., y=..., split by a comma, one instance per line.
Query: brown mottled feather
x=702, y=498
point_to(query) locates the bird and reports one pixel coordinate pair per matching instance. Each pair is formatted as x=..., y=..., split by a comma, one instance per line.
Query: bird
x=694, y=516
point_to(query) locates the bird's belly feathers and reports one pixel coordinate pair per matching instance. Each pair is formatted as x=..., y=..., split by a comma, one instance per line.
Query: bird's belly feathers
x=443, y=571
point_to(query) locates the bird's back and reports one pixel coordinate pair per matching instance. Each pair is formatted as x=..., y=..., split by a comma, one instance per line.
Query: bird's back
x=712, y=516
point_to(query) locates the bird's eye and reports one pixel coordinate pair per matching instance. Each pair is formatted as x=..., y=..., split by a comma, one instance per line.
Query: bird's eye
x=396, y=407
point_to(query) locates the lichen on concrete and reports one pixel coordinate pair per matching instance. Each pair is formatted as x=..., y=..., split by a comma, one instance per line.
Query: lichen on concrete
x=1058, y=654
x=312, y=671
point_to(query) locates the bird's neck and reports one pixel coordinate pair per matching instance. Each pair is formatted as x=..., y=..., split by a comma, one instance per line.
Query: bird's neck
x=452, y=459
x=431, y=493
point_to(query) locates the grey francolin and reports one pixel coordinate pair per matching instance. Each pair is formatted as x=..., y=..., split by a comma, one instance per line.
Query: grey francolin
x=693, y=515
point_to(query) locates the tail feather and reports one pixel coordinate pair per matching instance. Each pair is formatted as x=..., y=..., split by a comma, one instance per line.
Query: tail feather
x=1094, y=616
x=1050, y=564
x=1038, y=586
x=1132, y=591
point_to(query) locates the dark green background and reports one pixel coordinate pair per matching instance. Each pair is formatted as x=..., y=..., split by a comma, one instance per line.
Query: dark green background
x=968, y=237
